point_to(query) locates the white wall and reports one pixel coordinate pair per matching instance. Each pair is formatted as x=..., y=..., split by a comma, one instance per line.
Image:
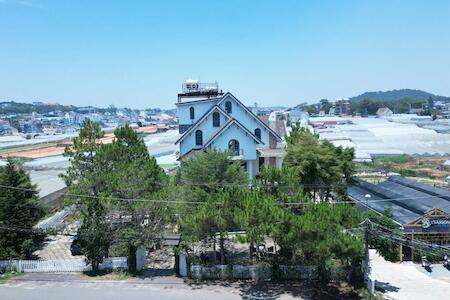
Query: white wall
x=184, y=117
x=240, y=114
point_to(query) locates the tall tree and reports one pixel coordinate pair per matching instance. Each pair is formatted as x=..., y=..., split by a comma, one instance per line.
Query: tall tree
x=258, y=214
x=319, y=236
x=19, y=209
x=213, y=180
x=85, y=177
x=212, y=170
x=204, y=174
x=320, y=166
x=325, y=105
x=283, y=185
x=134, y=176
x=213, y=219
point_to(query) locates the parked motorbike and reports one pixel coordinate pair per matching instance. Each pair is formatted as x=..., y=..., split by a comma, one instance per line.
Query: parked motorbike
x=426, y=264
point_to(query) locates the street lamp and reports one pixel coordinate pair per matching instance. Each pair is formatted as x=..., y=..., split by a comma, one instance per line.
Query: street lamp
x=367, y=196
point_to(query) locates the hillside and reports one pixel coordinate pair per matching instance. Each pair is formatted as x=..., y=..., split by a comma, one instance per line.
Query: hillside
x=396, y=95
x=12, y=107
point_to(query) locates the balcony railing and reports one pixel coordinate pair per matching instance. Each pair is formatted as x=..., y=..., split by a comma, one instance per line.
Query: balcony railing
x=236, y=154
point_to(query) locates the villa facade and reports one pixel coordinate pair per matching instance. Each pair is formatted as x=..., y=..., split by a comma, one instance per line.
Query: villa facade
x=226, y=124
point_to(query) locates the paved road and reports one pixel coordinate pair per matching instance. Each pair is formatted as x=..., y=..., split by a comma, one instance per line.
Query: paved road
x=56, y=247
x=70, y=287
x=104, y=291
x=410, y=281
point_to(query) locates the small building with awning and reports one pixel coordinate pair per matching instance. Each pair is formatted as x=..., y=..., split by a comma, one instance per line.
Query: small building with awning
x=422, y=211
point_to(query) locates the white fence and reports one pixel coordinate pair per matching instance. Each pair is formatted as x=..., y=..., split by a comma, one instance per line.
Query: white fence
x=60, y=265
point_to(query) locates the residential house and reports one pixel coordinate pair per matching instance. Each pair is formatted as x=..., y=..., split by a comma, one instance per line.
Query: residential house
x=226, y=124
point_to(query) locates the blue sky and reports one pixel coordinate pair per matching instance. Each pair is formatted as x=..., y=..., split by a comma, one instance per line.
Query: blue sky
x=138, y=53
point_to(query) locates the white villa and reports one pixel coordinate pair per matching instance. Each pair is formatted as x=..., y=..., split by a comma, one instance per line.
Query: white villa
x=223, y=122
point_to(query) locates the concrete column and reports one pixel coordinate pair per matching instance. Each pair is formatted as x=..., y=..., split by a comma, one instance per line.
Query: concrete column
x=279, y=162
x=183, y=265
x=250, y=169
x=141, y=257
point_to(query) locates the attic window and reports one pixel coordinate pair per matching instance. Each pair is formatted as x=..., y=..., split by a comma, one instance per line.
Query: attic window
x=258, y=133
x=198, y=138
x=216, y=119
x=233, y=147
x=228, y=108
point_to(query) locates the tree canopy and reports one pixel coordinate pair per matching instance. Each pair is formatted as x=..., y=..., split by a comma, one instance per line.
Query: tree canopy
x=116, y=179
x=319, y=166
x=19, y=209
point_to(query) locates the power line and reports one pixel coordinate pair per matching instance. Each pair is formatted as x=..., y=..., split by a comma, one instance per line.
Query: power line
x=201, y=202
x=399, y=238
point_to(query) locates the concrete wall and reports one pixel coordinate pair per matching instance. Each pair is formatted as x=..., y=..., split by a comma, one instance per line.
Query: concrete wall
x=246, y=119
x=207, y=129
x=200, y=109
x=246, y=142
x=254, y=272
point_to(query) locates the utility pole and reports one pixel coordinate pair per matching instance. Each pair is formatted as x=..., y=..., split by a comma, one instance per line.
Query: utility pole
x=367, y=228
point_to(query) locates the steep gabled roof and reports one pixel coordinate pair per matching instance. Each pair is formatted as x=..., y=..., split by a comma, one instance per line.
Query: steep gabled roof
x=202, y=118
x=225, y=127
x=250, y=113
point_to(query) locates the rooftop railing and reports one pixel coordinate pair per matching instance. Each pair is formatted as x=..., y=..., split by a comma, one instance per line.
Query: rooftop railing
x=195, y=87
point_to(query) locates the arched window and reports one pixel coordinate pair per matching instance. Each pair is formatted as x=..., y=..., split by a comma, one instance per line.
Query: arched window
x=216, y=119
x=198, y=137
x=233, y=146
x=228, y=107
x=192, y=113
x=258, y=133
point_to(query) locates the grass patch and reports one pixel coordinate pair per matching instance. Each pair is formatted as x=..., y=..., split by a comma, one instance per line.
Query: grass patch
x=8, y=275
x=424, y=166
x=117, y=274
x=397, y=159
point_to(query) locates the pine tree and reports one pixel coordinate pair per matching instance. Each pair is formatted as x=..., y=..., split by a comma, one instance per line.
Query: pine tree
x=85, y=177
x=19, y=209
x=131, y=173
x=258, y=214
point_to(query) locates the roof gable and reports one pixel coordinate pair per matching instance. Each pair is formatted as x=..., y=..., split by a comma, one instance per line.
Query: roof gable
x=225, y=127
x=228, y=94
x=202, y=118
x=432, y=213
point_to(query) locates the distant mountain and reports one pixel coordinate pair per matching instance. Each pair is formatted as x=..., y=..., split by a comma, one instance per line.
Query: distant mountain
x=395, y=95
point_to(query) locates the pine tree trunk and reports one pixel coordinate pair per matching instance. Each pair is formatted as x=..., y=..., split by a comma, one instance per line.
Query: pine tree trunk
x=222, y=250
x=214, y=251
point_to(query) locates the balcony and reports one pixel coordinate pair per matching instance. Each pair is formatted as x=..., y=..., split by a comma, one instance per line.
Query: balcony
x=237, y=154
